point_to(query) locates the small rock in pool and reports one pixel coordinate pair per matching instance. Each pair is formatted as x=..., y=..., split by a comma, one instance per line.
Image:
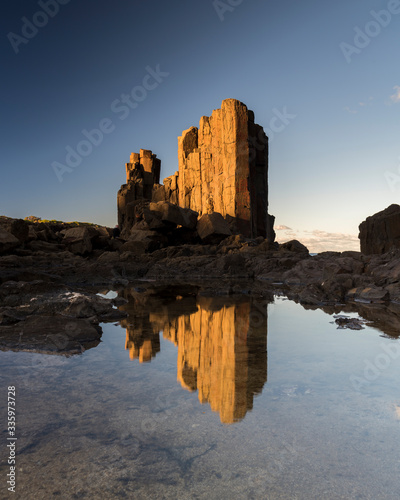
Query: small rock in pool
x=351, y=323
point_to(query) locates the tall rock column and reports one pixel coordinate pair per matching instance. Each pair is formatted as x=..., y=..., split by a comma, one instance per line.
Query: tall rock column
x=223, y=167
x=142, y=173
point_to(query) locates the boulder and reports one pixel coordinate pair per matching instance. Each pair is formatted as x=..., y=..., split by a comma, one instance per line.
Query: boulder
x=32, y=233
x=151, y=221
x=78, y=240
x=368, y=294
x=148, y=240
x=7, y=241
x=174, y=215
x=294, y=246
x=99, y=237
x=44, y=246
x=89, y=306
x=136, y=248
x=20, y=229
x=381, y=232
x=213, y=228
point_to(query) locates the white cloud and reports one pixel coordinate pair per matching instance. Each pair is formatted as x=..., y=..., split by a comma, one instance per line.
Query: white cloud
x=396, y=96
x=352, y=111
x=322, y=241
x=282, y=228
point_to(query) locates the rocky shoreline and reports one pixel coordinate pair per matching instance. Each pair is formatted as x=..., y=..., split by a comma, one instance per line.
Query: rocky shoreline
x=51, y=273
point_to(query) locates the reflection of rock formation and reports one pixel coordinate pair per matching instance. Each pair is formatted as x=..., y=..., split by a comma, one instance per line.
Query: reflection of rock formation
x=384, y=318
x=142, y=337
x=222, y=345
x=221, y=355
x=147, y=313
x=141, y=341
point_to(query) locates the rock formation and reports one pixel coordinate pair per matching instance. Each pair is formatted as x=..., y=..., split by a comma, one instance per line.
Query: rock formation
x=223, y=168
x=142, y=173
x=380, y=232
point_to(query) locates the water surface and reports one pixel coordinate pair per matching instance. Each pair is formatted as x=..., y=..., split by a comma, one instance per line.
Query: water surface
x=209, y=398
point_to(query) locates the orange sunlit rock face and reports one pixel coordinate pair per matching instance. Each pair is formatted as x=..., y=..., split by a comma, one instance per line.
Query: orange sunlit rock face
x=222, y=346
x=223, y=167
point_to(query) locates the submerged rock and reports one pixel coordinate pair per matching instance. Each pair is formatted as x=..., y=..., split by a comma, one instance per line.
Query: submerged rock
x=50, y=334
x=350, y=323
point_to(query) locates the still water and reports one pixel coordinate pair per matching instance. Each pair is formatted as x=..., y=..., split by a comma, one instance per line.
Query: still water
x=210, y=398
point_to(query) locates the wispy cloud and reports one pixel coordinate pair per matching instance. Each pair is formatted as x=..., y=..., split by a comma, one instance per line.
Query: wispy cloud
x=352, y=111
x=317, y=240
x=325, y=241
x=362, y=104
x=282, y=228
x=396, y=96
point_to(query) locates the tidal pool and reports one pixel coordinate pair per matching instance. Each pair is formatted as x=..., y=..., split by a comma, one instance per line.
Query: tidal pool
x=209, y=398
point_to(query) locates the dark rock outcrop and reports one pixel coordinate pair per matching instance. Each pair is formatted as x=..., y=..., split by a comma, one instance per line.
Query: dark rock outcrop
x=7, y=241
x=380, y=232
x=78, y=240
x=142, y=174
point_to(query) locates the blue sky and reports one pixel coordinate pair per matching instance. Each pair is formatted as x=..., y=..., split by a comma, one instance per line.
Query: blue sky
x=335, y=162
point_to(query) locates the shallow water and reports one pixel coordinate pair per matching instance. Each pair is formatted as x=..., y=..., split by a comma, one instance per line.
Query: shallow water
x=210, y=398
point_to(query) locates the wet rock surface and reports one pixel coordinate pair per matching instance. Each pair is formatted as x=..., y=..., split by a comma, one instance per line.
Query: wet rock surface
x=348, y=322
x=55, y=270
x=50, y=335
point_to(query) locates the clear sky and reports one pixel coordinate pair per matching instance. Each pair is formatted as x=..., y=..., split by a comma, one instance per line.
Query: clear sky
x=331, y=67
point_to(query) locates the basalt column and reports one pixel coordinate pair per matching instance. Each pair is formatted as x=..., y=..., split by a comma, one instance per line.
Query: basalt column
x=142, y=173
x=223, y=167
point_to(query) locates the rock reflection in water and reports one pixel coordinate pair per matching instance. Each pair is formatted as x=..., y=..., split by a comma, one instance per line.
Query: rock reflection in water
x=385, y=318
x=222, y=345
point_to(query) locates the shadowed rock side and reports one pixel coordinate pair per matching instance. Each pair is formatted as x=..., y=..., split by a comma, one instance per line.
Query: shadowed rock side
x=222, y=345
x=142, y=173
x=223, y=168
x=380, y=232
